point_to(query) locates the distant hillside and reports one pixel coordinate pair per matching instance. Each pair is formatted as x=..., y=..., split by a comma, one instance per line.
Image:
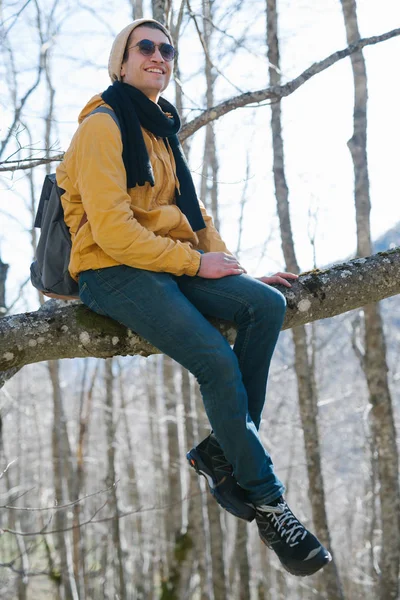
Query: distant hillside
x=390, y=239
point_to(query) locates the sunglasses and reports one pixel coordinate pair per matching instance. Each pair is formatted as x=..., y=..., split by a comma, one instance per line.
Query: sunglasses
x=147, y=48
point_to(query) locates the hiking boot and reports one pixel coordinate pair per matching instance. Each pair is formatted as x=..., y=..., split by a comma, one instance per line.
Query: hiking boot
x=298, y=550
x=209, y=460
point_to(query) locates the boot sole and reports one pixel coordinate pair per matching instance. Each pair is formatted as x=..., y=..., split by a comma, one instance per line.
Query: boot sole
x=307, y=572
x=303, y=572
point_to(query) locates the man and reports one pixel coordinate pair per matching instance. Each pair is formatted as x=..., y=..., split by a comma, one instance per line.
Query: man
x=150, y=257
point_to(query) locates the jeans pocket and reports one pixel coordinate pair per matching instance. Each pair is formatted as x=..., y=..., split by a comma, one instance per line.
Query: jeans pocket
x=87, y=299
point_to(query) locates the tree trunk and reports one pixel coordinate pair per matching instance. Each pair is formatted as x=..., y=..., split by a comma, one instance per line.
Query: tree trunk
x=242, y=558
x=175, y=29
x=157, y=547
x=78, y=537
x=62, y=471
x=78, y=551
x=137, y=9
x=209, y=177
x=173, y=515
x=132, y=494
x=195, y=558
x=161, y=10
x=111, y=481
x=3, y=277
x=14, y=522
x=267, y=585
x=375, y=365
x=217, y=549
x=307, y=390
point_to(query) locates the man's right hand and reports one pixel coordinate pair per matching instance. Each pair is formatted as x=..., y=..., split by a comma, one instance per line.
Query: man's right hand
x=215, y=265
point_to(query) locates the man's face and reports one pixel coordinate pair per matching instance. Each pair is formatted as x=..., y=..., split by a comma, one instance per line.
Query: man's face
x=149, y=74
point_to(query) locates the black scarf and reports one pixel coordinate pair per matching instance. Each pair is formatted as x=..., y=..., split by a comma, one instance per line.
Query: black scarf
x=134, y=109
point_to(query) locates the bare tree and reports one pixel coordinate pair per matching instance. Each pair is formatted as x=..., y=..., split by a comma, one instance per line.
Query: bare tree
x=173, y=517
x=161, y=10
x=223, y=108
x=375, y=364
x=133, y=492
x=21, y=561
x=3, y=278
x=306, y=384
x=158, y=546
x=111, y=481
x=194, y=560
x=209, y=175
x=137, y=9
x=242, y=558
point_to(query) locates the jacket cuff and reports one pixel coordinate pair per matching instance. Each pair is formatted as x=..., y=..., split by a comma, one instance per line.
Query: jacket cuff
x=195, y=264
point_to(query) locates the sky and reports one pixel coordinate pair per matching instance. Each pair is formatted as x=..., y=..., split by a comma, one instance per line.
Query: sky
x=317, y=123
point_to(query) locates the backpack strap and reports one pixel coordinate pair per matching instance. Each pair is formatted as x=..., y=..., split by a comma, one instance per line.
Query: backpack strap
x=107, y=111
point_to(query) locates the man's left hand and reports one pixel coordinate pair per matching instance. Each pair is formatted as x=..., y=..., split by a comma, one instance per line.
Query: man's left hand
x=281, y=278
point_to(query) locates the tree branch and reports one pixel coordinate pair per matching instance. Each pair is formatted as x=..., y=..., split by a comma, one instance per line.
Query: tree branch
x=279, y=91
x=273, y=93
x=68, y=329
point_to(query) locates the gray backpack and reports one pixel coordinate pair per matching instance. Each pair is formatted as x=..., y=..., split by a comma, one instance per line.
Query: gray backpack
x=49, y=270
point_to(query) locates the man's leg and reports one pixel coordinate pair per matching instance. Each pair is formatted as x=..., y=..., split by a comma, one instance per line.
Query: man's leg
x=153, y=305
x=258, y=311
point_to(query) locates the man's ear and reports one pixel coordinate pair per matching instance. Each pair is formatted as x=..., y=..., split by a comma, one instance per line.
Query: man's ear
x=123, y=70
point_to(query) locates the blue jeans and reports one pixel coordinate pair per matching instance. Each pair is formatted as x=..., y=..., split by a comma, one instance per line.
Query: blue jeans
x=170, y=312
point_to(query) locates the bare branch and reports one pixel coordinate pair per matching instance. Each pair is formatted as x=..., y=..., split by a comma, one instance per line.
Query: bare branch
x=275, y=93
x=92, y=519
x=206, y=50
x=30, y=164
x=64, y=529
x=7, y=467
x=15, y=17
x=60, y=506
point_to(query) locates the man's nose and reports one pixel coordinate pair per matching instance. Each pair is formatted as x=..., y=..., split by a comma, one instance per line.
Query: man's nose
x=157, y=56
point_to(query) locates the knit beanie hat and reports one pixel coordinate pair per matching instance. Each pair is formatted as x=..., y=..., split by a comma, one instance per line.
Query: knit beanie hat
x=119, y=45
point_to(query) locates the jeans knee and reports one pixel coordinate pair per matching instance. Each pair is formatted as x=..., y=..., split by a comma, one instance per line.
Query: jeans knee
x=269, y=303
x=278, y=302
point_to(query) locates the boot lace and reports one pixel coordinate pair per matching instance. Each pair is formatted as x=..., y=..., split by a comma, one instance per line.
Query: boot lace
x=285, y=523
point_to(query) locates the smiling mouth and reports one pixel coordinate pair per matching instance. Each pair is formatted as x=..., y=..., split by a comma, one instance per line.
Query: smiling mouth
x=154, y=70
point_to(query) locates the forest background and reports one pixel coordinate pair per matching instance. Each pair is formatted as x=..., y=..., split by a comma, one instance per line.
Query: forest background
x=97, y=501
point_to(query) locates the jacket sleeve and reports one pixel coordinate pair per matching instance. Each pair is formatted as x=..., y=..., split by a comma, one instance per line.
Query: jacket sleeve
x=101, y=181
x=209, y=238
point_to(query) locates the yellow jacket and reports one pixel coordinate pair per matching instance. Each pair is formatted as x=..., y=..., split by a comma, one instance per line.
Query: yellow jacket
x=141, y=227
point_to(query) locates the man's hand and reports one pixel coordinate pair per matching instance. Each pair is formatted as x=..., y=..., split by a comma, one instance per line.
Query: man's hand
x=279, y=278
x=215, y=265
